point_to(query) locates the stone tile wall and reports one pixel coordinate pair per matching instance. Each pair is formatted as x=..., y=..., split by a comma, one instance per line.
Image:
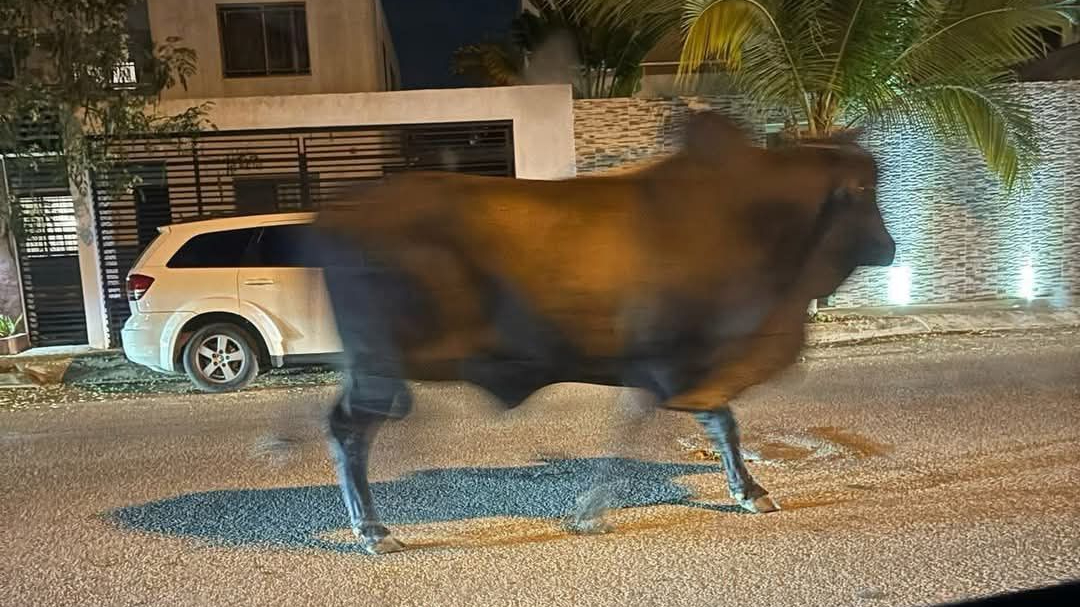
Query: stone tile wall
x=616, y=134
x=960, y=236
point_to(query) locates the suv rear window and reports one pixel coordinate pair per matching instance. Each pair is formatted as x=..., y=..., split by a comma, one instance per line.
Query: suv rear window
x=225, y=249
x=282, y=246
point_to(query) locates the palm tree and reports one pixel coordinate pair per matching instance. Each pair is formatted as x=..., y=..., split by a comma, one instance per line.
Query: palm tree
x=938, y=65
x=490, y=63
x=608, y=57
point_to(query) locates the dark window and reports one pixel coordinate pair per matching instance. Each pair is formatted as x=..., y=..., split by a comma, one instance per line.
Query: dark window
x=225, y=249
x=282, y=247
x=264, y=39
x=140, y=43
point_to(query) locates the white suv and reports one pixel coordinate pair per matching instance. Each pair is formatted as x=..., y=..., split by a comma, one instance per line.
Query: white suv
x=221, y=299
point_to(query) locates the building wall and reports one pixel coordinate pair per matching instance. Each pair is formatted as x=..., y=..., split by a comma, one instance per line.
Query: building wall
x=391, y=72
x=624, y=133
x=959, y=235
x=543, y=117
x=543, y=128
x=345, y=40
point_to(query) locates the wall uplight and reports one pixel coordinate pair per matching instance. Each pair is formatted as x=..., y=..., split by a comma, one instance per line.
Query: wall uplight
x=900, y=285
x=1027, y=282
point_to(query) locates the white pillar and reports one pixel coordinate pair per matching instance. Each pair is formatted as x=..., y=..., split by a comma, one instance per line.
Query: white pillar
x=97, y=332
x=9, y=241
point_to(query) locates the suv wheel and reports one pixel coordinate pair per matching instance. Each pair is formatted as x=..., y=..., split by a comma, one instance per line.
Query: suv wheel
x=221, y=358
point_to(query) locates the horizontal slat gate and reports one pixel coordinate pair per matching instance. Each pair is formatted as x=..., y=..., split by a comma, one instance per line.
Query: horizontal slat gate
x=266, y=171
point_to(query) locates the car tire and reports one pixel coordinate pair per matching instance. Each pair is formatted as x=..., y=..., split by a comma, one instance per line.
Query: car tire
x=221, y=357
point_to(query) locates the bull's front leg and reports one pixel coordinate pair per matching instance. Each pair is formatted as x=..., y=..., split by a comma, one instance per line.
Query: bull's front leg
x=352, y=432
x=747, y=362
x=723, y=431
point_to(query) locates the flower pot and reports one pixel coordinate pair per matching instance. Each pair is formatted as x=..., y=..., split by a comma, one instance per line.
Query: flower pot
x=14, y=343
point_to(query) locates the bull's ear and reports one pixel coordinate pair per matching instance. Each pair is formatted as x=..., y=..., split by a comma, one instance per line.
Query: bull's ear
x=710, y=135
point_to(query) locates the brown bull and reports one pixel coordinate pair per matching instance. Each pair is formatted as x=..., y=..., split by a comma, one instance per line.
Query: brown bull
x=689, y=279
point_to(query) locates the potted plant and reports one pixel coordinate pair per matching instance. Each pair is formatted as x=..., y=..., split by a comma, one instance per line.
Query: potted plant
x=12, y=342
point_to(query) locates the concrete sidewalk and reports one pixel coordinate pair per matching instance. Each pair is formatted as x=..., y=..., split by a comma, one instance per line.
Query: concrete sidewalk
x=80, y=366
x=850, y=325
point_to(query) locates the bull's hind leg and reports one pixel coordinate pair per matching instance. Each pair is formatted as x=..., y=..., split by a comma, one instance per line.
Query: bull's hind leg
x=352, y=433
x=594, y=503
x=723, y=431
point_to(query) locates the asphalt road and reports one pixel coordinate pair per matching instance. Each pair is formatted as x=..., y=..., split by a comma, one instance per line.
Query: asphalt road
x=911, y=472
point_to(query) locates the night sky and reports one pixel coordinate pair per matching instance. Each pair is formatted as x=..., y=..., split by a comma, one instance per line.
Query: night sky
x=427, y=32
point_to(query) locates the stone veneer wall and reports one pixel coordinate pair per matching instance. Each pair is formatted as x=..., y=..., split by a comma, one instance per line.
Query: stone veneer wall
x=623, y=133
x=960, y=236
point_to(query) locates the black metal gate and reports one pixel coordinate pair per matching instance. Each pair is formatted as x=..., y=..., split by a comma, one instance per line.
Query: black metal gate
x=47, y=243
x=266, y=171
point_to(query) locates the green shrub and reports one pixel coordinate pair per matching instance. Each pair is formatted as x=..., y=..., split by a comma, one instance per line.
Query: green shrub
x=8, y=326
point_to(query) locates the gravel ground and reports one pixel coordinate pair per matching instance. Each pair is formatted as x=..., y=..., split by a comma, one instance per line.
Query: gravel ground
x=910, y=472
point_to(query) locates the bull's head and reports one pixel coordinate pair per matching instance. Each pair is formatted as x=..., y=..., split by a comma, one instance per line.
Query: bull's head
x=851, y=226
x=849, y=231
x=819, y=198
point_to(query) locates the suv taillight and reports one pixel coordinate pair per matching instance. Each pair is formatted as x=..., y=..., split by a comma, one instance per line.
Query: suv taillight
x=137, y=284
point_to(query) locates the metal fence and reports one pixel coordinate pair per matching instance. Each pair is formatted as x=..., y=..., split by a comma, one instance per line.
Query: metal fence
x=47, y=245
x=267, y=171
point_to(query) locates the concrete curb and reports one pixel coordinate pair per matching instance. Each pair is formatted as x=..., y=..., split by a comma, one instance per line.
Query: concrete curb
x=868, y=328
x=99, y=367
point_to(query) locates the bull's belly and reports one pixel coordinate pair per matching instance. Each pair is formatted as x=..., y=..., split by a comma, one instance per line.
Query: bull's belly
x=512, y=380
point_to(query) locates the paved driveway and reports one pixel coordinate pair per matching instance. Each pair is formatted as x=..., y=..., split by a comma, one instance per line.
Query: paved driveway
x=910, y=472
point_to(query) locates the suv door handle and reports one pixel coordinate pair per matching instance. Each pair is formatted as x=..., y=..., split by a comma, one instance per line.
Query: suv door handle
x=258, y=282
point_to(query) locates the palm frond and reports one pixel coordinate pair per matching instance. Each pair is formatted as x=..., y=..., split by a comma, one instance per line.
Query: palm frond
x=488, y=64
x=721, y=29
x=868, y=34
x=774, y=48
x=939, y=65
x=987, y=117
x=989, y=35
x=607, y=13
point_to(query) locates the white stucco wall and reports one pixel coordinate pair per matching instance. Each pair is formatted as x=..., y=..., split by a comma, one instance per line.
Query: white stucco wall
x=543, y=116
x=543, y=119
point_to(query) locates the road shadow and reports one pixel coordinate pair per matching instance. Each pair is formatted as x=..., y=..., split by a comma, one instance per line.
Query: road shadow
x=296, y=517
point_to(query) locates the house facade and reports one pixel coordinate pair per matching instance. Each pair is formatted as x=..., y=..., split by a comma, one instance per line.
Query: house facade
x=303, y=95
x=278, y=48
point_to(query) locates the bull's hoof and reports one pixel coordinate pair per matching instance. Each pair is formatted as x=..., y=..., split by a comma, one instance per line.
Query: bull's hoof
x=376, y=539
x=588, y=516
x=759, y=505
x=277, y=450
x=377, y=546
x=588, y=526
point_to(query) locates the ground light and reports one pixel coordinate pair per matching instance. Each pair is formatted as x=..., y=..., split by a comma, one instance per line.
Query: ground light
x=1027, y=282
x=900, y=285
